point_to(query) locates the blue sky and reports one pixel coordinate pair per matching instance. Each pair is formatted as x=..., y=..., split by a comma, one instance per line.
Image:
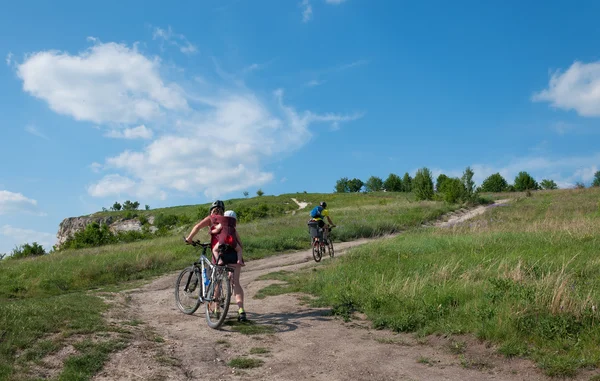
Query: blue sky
x=180, y=103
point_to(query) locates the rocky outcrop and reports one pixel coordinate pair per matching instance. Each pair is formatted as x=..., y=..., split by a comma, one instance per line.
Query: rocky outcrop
x=69, y=226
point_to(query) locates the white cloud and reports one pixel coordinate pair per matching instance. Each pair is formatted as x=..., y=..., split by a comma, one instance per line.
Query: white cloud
x=577, y=89
x=34, y=131
x=314, y=83
x=19, y=236
x=107, y=83
x=8, y=59
x=16, y=203
x=306, y=10
x=217, y=139
x=139, y=132
x=178, y=40
x=562, y=128
x=334, y=2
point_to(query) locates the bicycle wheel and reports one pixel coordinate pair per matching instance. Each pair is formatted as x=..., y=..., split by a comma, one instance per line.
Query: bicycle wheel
x=220, y=293
x=330, y=248
x=187, y=290
x=316, y=250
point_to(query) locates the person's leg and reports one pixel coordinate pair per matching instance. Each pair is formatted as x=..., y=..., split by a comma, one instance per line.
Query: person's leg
x=216, y=254
x=239, y=292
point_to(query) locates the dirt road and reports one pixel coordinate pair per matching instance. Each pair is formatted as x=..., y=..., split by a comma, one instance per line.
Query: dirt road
x=305, y=343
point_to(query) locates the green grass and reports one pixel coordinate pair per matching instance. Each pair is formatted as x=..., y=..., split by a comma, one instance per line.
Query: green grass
x=48, y=296
x=250, y=328
x=245, y=363
x=524, y=276
x=259, y=351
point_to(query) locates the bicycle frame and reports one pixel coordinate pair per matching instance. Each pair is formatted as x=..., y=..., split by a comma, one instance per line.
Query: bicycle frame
x=204, y=263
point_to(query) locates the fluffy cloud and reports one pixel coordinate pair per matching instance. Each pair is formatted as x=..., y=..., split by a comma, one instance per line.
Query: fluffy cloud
x=107, y=83
x=306, y=10
x=16, y=203
x=216, y=141
x=577, y=89
x=18, y=236
x=139, y=132
x=334, y=2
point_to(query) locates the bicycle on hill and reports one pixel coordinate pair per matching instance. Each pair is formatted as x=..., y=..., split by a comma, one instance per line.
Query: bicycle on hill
x=321, y=240
x=204, y=282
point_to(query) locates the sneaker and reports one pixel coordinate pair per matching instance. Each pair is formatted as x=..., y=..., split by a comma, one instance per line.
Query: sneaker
x=242, y=316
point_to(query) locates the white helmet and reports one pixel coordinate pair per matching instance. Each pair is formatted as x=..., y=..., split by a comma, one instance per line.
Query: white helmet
x=230, y=213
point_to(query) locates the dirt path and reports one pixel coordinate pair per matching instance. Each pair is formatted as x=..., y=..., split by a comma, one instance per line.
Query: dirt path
x=306, y=343
x=301, y=204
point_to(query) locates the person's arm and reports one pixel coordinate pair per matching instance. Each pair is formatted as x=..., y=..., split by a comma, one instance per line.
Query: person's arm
x=204, y=223
x=239, y=241
x=330, y=222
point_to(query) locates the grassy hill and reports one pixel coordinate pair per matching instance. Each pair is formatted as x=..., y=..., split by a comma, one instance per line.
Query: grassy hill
x=522, y=277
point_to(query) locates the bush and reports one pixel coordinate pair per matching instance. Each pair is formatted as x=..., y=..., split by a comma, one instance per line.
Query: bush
x=393, y=183
x=494, y=183
x=27, y=250
x=202, y=212
x=355, y=185
x=453, y=190
x=407, y=183
x=373, y=184
x=548, y=184
x=165, y=221
x=422, y=185
x=524, y=181
x=93, y=235
x=342, y=186
x=596, y=182
x=143, y=220
x=439, y=182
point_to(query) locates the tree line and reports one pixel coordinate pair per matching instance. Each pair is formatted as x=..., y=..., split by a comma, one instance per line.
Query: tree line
x=446, y=188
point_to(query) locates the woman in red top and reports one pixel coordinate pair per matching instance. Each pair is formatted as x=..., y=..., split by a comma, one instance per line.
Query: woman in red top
x=217, y=209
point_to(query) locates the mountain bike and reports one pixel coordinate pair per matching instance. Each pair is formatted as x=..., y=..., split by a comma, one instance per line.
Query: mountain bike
x=204, y=282
x=321, y=241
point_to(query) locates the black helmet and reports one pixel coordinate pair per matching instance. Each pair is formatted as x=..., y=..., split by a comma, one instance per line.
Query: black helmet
x=217, y=204
x=323, y=204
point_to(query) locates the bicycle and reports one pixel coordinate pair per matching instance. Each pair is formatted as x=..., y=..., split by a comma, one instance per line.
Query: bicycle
x=320, y=242
x=204, y=282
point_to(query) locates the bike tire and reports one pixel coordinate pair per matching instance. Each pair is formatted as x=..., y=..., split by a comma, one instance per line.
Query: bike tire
x=316, y=251
x=330, y=247
x=220, y=286
x=188, y=277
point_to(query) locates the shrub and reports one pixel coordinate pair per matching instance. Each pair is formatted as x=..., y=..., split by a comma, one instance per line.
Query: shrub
x=596, y=182
x=469, y=184
x=439, y=183
x=453, y=190
x=393, y=183
x=202, y=212
x=129, y=215
x=407, y=183
x=548, y=184
x=27, y=250
x=524, y=181
x=93, y=235
x=373, y=184
x=341, y=186
x=494, y=183
x=116, y=206
x=422, y=184
x=143, y=220
x=259, y=192
x=165, y=221
x=355, y=185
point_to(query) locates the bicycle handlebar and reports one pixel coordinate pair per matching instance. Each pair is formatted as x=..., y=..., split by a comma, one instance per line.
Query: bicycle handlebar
x=197, y=243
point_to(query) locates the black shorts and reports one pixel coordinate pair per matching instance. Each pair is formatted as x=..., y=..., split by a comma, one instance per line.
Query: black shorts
x=229, y=256
x=321, y=223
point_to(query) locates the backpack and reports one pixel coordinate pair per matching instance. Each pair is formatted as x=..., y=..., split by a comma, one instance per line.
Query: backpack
x=316, y=212
x=227, y=235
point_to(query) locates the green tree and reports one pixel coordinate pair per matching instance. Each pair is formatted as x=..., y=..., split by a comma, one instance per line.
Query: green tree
x=246, y=194
x=393, y=183
x=27, y=250
x=147, y=207
x=259, y=192
x=407, y=183
x=453, y=190
x=494, y=183
x=342, y=186
x=439, y=182
x=355, y=185
x=548, y=184
x=596, y=182
x=579, y=185
x=467, y=180
x=373, y=184
x=422, y=185
x=116, y=206
x=524, y=182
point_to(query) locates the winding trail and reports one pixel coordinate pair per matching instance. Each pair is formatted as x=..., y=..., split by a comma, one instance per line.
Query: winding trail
x=305, y=343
